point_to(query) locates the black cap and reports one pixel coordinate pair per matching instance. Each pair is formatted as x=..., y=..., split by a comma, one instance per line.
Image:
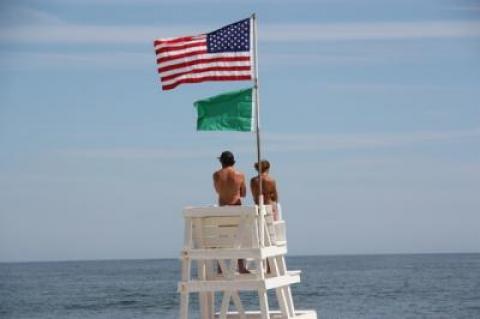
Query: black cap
x=227, y=158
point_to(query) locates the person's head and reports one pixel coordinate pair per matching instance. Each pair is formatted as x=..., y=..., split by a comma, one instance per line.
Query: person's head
x=265, y=165
x=227, y=159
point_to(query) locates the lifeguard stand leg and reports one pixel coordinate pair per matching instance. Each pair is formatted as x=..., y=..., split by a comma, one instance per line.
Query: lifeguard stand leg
x=206, y=310
x=184, y=293
x=264, y=308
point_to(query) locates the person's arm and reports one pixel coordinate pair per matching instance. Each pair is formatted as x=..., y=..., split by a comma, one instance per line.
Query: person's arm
x=254, y=189
x=215, y=184
x=274, y=191
x=243, y=188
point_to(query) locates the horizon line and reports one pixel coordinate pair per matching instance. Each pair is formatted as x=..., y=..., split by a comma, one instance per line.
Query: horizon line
x=288, y=256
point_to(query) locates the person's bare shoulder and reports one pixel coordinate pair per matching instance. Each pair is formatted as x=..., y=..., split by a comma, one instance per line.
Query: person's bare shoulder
x=274, y=182
x=239, y=174
x=265, y=179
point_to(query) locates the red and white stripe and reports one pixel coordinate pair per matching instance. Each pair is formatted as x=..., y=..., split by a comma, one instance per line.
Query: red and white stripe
x=185, y=60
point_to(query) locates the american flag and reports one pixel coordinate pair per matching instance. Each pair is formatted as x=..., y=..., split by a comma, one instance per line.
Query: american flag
x=221, y=55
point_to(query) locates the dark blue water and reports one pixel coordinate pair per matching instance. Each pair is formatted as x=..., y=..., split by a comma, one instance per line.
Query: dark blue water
x=384, y=286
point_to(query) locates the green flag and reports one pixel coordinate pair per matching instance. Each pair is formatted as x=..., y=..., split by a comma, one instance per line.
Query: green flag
x=230, y=111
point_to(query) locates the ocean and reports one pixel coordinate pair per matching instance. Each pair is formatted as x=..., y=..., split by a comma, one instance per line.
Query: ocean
x=365, y=286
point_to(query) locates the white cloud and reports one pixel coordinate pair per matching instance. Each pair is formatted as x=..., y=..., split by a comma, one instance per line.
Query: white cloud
x=470, y=7
x=129, y=2
x=55, y=32
x=370, y=31
x=94, y=34
x=178, y=2
x=286, y=142
x=146, y=153
x=90, y=34
x=128, y=60
x=313, y=142
x=309, y=59
x=19, y=15
x=49, y=60
x=401, y=87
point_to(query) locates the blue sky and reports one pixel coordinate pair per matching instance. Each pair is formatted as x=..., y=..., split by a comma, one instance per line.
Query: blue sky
x=370, y=118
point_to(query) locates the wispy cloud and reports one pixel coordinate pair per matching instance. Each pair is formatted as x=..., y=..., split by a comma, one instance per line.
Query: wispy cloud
x=83, y=34
x=370, y=31
x=129, y=60
x=57, y=32
x=146, y=153
x=95, y=34
x=286, y=142
x=375, y=87
x=472, y=6
x=51, y=60
x=135, y=153
x=21, y=15
x=177, y=2
x=313, y=142
x=310, y=59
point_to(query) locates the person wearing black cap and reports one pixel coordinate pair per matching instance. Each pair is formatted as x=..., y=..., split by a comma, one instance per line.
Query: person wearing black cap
x=229, y=183
x=230, y=187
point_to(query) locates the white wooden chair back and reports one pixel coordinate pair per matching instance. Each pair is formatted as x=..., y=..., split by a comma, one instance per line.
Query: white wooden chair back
x=232, y=227
x=218, y=232
x=223, y=227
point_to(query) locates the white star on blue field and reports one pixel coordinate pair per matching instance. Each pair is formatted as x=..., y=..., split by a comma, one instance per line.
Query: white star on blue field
x=232, y=38
x=370, y=118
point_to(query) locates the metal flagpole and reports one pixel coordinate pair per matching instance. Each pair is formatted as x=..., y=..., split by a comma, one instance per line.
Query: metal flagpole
x=257, y=123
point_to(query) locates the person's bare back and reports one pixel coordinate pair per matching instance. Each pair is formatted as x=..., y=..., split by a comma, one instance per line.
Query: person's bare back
x=230, y=186
x=228, y=182
x=269, y=188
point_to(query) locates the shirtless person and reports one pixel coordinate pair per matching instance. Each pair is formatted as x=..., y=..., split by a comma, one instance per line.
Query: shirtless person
x=229, y=183
x=269, y=188
x=230, y=187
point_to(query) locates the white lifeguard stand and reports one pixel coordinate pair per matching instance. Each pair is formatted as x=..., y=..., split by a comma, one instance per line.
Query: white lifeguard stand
x=215, y=238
